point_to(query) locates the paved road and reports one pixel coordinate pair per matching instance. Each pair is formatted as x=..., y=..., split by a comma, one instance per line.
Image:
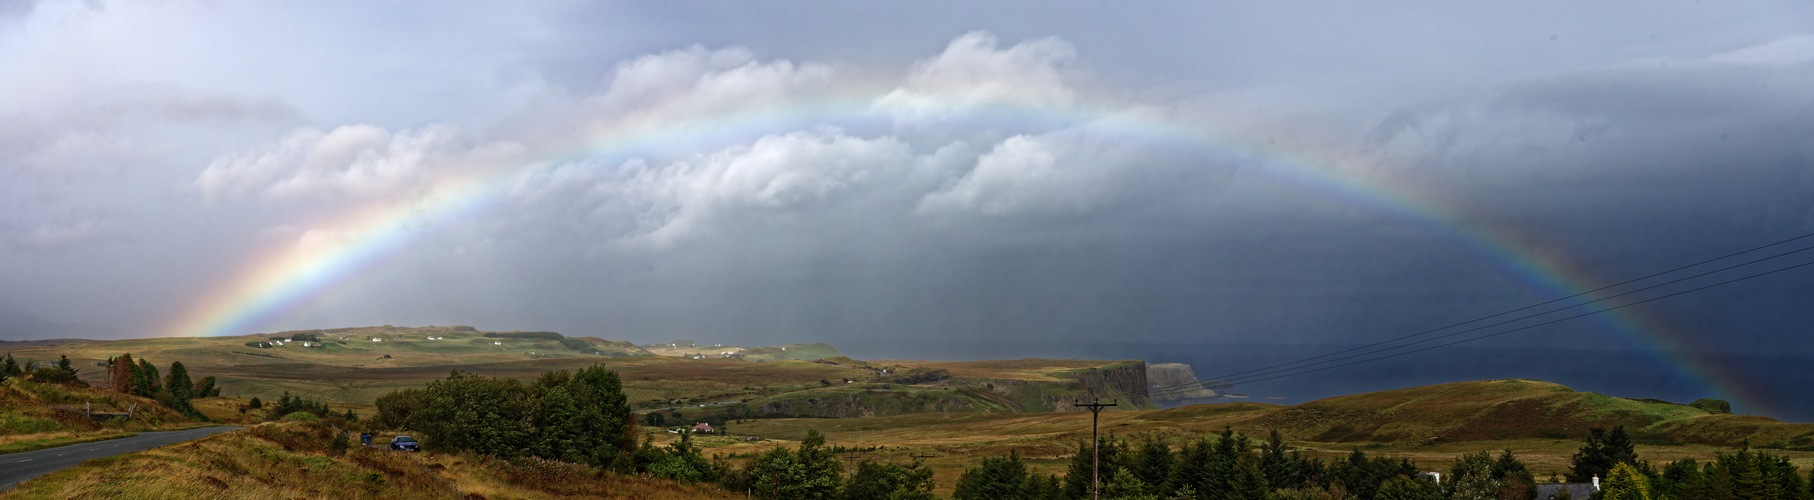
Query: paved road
x=18, y=467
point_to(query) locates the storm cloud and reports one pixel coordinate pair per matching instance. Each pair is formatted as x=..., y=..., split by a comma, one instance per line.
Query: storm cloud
x=1223, y=185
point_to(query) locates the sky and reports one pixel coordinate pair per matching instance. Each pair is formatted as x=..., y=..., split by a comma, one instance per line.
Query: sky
x=1227, y=184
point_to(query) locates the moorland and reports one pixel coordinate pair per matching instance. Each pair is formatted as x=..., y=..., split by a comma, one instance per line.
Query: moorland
x=949, y=416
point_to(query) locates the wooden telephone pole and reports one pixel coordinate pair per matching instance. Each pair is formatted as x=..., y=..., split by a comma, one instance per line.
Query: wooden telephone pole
x=1095, y=415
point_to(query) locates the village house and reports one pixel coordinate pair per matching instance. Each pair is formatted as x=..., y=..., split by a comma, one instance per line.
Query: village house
x=1575, y=490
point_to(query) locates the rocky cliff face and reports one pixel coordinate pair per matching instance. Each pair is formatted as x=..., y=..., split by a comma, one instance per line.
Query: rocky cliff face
x=1172, y=385
x=1125, y=383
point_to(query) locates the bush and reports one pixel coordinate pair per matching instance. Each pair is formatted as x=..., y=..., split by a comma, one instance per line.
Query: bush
x=301, y=416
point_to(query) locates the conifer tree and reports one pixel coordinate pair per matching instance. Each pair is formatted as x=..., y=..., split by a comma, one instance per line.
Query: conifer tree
x=998, y=479
x=147, y=381
x=180, y=387
x=1154, y=465
x=119, y=373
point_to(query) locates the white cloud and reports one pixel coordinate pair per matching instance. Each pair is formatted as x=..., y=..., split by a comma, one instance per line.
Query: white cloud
x=695, y=83
x=971, y=72
x=794, y=172
x=360, y=161
x=1055, y=173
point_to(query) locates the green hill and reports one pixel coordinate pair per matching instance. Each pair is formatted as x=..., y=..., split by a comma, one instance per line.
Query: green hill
x=1518, y=409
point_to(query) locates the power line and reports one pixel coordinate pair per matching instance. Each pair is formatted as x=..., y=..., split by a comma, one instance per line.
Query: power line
x=1277, y=368
x=1590, y=313
x=1529, y=316
x=1540, y=304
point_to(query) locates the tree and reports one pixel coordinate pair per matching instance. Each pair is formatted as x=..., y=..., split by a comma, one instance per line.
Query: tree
x=119, y=373
x=145, y=381
x=205, y=388
x=1602, y=451
x=810, y=473
x=1281, y=470
x=995, y=479
x=1405, y=488
x=181, y=388
x=1625, y=482
x=9, y=367
x=890, y=482
x=1153, y=465
x=1190, y=470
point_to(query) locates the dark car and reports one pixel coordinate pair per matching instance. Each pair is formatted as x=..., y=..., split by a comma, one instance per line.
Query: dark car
x=405, y=443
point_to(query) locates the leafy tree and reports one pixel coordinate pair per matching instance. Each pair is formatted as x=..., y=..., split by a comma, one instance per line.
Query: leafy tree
x=255, y=403
x=654, y=419
x=683, y=462
x=1625, y=482
x=810, y=473
x=891, y=482
x=994, y=479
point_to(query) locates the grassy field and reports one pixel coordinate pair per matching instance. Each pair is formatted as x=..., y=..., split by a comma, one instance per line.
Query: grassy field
x=295, y=460
x=356, y=365
x=35, y=416
x=1410, y=424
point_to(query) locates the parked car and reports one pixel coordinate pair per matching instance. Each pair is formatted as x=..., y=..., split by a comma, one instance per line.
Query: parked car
x=405, y=443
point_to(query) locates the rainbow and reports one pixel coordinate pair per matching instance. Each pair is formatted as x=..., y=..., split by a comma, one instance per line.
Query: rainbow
x=288, y=279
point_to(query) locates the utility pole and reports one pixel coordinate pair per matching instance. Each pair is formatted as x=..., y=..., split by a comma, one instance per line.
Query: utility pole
x=1095, y=444
x=850, y=464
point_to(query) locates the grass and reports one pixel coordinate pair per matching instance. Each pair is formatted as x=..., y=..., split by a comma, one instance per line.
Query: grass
x=350, y=368
x=18, y=443
x=294, y=460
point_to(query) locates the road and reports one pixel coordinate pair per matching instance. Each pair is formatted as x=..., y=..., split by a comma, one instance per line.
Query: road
x=18, y=467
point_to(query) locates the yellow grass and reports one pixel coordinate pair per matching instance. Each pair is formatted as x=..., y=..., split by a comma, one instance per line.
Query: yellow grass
x=293, y=460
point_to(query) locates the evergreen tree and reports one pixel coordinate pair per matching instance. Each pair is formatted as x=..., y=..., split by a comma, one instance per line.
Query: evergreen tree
x=1602, y=451
x=1405, y=488
x=995, y=479
x=180, y=387
x=1190, y=470
x=9, y=367
x=1077, y=484
x=894, y=482
x=1154, y=464
x=146, y=382
x=205, y=388
x=119, y=373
